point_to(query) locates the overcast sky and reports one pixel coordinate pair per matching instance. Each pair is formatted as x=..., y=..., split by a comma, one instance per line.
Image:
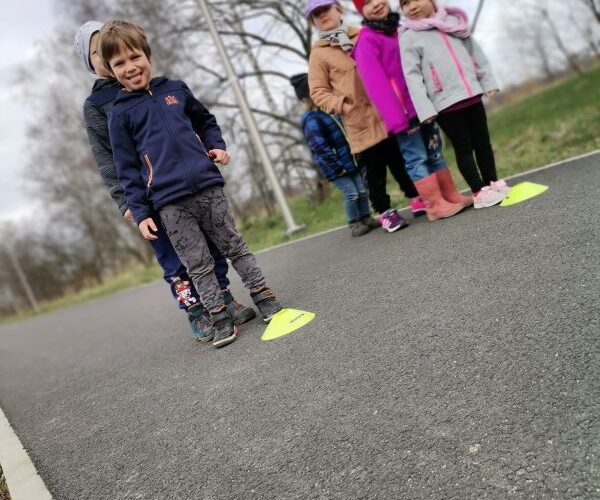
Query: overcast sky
x=25, y=22
x=21, y=24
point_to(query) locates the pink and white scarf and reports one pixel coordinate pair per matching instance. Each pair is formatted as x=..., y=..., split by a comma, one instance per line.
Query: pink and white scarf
x=439, y=21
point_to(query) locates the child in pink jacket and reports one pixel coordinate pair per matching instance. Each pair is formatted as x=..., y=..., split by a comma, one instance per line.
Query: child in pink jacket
x=377, y=56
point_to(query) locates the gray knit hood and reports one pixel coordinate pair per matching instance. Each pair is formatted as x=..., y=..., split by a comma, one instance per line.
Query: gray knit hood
x=82, y=42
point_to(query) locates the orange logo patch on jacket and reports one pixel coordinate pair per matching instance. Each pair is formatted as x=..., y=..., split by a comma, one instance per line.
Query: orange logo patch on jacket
x=170, y=100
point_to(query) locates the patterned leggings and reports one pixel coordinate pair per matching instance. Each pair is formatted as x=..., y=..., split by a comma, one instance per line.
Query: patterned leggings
x=187, y=221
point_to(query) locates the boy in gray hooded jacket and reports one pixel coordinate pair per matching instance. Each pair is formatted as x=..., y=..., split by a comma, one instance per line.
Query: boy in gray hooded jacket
x=95, y=113
x=447, y=73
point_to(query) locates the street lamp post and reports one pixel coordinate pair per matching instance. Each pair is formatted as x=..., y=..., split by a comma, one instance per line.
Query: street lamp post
x=22, y=278
x=292, y=227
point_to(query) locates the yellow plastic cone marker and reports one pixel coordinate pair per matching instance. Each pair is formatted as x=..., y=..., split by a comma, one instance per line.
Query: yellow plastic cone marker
x=286, y=321
x=521, y=192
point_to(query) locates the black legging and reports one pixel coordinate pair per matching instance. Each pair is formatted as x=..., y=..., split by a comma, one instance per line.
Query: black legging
x=374, y=163
x=468, y=132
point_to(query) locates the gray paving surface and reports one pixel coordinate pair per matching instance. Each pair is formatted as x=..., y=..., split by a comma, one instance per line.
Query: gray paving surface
x=451, y=360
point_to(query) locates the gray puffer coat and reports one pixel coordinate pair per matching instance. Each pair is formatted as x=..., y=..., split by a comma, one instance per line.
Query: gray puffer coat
x=442, y=70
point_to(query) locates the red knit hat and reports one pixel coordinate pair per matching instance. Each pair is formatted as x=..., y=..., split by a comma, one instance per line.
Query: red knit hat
x=359, y=4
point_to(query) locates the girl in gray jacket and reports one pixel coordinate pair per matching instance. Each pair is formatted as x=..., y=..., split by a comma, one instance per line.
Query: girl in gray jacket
x=447, y=73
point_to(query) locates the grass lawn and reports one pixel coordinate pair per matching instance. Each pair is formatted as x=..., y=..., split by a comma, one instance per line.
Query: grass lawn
x=135, y=276
x=553, y=124
x=556, y=123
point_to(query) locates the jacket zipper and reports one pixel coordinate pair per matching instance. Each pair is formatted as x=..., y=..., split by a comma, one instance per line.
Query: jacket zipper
x=343, y=131
x=459, y=68
x=398, y=95
x=150, y=170
x=183, y=162
x=202, y=146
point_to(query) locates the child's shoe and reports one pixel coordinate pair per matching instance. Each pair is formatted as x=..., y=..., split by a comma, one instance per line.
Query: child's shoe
x=266, y=302
x=370, y=222
x=437, y=207
x=240, y=314
x=500, y=186
x=202, y=327
x=391, y=220
x=448, y=189
x=417, y=206
x=488, y=197
x=225, y=330
x=357, y=228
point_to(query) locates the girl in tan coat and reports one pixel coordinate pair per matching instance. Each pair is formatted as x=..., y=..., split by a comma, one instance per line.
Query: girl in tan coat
x=336, y=88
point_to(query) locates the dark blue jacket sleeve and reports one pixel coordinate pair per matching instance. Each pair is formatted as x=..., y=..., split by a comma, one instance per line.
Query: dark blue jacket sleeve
x=323, y=152
x=128, y=169
x=204, y=123
x=342, y=148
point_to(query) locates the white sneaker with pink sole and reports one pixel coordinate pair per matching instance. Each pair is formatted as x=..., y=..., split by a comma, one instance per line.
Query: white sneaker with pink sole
x=488, y=197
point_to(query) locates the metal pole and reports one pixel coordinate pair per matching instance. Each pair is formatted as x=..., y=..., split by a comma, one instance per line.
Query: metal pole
x=477, y=14
x=22, y=278
x=292, y=227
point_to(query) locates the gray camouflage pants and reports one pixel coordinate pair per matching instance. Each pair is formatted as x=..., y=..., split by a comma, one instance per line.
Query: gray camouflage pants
x=187, y=221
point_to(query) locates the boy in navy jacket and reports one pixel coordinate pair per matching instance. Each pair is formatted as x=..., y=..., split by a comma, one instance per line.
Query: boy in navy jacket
x=326, y=139
x=95, y=111
x=165, y=145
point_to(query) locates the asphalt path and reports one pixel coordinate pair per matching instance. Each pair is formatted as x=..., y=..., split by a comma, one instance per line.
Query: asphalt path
x=456, y=359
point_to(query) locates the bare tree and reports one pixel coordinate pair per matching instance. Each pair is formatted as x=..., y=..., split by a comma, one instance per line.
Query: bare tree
x=594, y=7
x=556, y=36
x=562, y=36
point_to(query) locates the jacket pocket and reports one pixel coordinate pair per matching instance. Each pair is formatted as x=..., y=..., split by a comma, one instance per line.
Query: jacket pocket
x=203, y=147
x=150, y=171
x=435, y=77
x=354, y=120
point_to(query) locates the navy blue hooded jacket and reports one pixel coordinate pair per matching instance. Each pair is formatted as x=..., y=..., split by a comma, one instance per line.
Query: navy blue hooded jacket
x=160, y=140
x=327, y=141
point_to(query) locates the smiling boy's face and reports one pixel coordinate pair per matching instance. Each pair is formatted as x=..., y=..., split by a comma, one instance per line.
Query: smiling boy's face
x=99, y=68
x=132, y=68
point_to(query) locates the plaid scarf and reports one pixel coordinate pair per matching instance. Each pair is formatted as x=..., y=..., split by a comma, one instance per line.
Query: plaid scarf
x=339, y=37
x=389, y=25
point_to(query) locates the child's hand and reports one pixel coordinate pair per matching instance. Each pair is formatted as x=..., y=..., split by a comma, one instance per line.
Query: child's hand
x=148, y=228
x=219, y=156
x=128, y=216
x=429, y=120
x=490, y=94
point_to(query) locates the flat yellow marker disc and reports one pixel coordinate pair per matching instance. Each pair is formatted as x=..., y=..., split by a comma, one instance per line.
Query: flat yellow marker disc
x=521, y=192
x=286, y=321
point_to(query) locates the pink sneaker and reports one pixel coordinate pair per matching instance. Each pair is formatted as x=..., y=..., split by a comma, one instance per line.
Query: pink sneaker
x=488, y=197
x=500, y=186
x=391, y=220
x=417, y=206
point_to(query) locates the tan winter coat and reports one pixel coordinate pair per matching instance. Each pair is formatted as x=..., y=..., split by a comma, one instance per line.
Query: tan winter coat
x=334, y=80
